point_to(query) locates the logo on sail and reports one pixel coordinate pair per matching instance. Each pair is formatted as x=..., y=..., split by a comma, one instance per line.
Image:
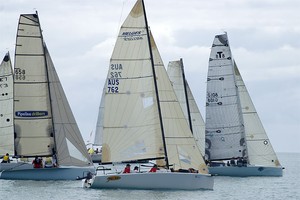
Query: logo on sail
x=31, y=113
x=132, y=35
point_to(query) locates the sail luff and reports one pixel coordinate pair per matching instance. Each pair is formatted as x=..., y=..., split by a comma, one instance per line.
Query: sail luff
x=6, y=107
x=156, y=87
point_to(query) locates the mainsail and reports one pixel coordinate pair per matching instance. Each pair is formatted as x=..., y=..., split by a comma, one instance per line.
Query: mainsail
x=44, y=123
x=142, y=116
x=260, y=150
x=225, y=132
x=6, y=107
x=187, y=102
x=131, y=124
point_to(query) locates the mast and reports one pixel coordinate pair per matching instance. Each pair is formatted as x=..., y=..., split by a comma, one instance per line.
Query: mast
x=156, y=88
x=186, y=96
x=48, y=85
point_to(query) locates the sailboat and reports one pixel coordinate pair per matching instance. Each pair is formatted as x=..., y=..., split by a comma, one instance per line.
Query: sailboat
x=44, y=125
x=236, y=142
x=143, y=120
x=187, y=102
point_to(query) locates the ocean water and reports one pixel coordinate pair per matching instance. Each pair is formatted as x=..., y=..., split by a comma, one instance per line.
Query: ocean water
x=231, y=188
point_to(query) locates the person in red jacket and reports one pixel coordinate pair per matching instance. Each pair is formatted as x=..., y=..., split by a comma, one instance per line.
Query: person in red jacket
x=153, y=169
x=37, y=163
x=127, y=169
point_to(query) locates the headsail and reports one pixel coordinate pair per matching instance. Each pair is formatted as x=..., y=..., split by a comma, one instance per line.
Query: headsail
x=6, y=107
x=187, y=102
x=260, y=150
x=70, y=147
x=225, y=133
x=44, y=123
x=182, y=149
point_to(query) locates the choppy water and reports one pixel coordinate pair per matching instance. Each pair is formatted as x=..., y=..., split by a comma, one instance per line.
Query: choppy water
x=231, y=188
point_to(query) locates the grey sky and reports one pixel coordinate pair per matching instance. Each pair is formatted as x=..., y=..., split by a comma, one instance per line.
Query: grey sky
x=264, y=39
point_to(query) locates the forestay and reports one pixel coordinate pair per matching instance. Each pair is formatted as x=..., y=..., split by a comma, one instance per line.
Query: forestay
x=6, y=107
x=225, y=134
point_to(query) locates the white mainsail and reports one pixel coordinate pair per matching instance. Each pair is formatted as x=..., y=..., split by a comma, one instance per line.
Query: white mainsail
x=131, y=124
x=225, y=132
x=6, y=107
x=187, y=102
x=44, y=123
x=260, y=150
x=141, y=108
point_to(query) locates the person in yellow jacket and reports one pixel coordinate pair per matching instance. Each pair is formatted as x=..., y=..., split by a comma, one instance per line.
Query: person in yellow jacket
x=6, y=158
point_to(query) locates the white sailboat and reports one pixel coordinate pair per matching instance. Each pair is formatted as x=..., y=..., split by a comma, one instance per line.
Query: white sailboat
x=187, y=102
x=143, y=119
x=234, y=132
x=44, y=125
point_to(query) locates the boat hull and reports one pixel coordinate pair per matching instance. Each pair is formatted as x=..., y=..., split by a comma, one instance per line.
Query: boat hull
x=245, y=171
x=151, y=181
x=96, y=158
x=57, y=173
x=14, y=166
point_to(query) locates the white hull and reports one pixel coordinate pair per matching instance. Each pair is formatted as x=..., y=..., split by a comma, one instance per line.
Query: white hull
x=245, y=171
x=161, y=181
x=58, y=173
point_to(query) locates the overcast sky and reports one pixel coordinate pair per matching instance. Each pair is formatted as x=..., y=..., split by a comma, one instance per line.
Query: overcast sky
x=263, y=35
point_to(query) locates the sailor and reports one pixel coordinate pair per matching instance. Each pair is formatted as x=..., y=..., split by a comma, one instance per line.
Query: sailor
x=153, y=169
x=37, y=162
x=6, y=158
x=48, y=162
x=127, y=169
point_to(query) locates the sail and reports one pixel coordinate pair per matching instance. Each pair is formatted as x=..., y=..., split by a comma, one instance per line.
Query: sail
x=181, y=146
x=225, y=134
x=131, y=123
x=260, y=150
x=188, y=104
x=33, y=116
x=6, y=107
x=99, y=127
x=44, y=123
x=70, y=147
